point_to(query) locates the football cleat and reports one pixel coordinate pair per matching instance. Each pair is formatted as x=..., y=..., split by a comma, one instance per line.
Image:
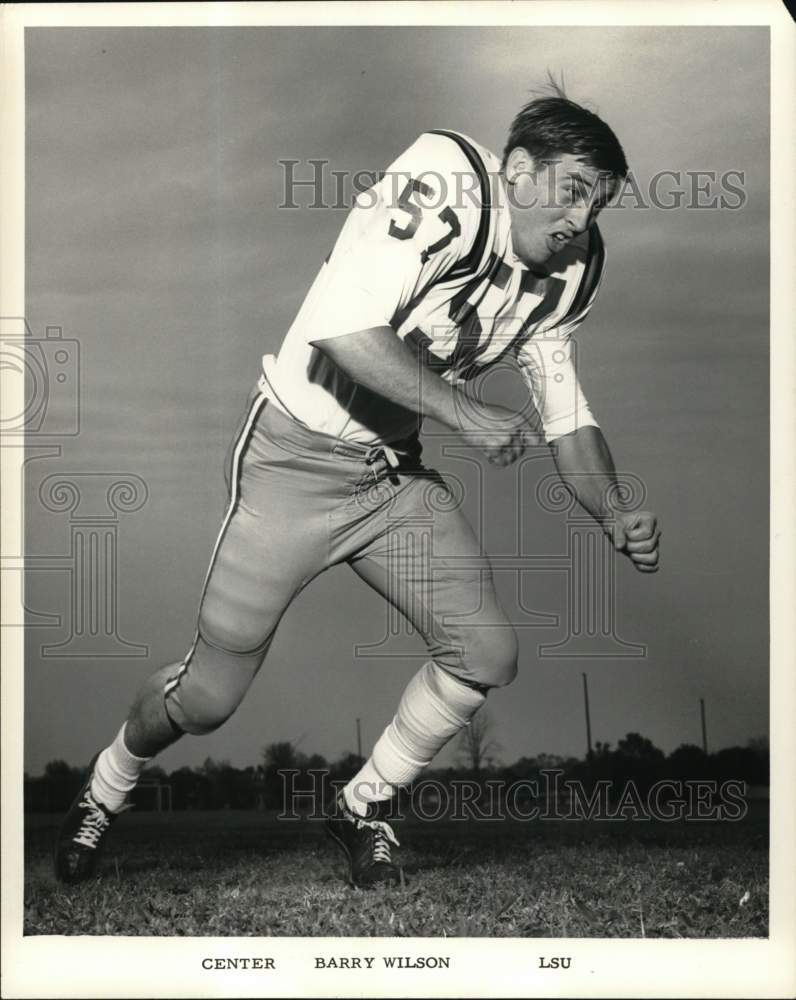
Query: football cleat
x=82, y=835
x=366, y=844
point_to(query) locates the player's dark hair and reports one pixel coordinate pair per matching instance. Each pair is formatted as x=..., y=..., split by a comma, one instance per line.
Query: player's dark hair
x=550, y=127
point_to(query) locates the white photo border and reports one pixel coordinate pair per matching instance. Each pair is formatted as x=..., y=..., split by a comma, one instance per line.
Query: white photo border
x=171, y=967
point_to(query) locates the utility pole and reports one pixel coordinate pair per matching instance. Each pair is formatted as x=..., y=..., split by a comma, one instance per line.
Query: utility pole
x=704, y=725
x=359, y=740
x=588, y=718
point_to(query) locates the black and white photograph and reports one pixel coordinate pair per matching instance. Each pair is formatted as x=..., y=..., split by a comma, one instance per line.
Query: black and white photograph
x=397, y=501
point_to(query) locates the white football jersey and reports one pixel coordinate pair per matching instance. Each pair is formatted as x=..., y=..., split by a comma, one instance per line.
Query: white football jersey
x=428, y=252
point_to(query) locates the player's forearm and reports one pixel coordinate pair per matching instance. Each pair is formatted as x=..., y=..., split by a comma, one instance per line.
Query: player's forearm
x=381, y=362
x=585, y=464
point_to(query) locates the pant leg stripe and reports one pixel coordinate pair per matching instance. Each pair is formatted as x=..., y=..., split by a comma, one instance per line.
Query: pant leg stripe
x=237, y=456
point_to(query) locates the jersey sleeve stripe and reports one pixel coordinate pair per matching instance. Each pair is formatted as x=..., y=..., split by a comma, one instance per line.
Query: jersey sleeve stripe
x=470, y=264
x=592, y=274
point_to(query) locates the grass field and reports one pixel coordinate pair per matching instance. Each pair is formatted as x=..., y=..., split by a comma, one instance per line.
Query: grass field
x=245, y=873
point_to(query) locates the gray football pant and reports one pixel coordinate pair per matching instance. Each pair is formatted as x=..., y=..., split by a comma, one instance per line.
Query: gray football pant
x=300, y=502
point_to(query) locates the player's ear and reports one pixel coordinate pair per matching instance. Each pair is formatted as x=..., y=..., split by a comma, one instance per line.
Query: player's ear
x=518, y=162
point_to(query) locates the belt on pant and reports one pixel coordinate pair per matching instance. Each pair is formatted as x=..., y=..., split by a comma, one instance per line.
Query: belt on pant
x=396, y=458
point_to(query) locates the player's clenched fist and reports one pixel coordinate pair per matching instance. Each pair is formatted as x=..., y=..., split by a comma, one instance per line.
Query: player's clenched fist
x=502, y=434
x=638, y=536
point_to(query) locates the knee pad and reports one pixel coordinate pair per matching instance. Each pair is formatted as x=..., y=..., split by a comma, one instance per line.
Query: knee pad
x=501, y=664
x=209, y=687
x=488, y=657
x=233, y=622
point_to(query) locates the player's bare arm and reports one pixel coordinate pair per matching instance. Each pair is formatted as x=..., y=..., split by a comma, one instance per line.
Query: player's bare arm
x=381, y=362
x=585, y=464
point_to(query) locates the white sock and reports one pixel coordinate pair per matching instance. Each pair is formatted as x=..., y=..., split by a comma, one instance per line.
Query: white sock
x=116, y=773
x=365, y=787
x=434, y=707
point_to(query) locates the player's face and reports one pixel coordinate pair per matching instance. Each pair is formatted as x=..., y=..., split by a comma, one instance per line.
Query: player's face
x=551, y=203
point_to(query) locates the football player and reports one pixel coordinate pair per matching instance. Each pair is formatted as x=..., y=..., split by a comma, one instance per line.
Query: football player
x=454, y=261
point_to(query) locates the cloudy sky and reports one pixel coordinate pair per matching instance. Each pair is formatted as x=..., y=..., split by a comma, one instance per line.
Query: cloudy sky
x=155, y=239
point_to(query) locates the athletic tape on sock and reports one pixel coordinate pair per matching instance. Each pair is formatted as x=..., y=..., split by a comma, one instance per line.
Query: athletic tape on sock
x=433, y=709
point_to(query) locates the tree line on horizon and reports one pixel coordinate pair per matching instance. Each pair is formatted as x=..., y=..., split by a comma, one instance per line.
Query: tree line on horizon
x=219, y=785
